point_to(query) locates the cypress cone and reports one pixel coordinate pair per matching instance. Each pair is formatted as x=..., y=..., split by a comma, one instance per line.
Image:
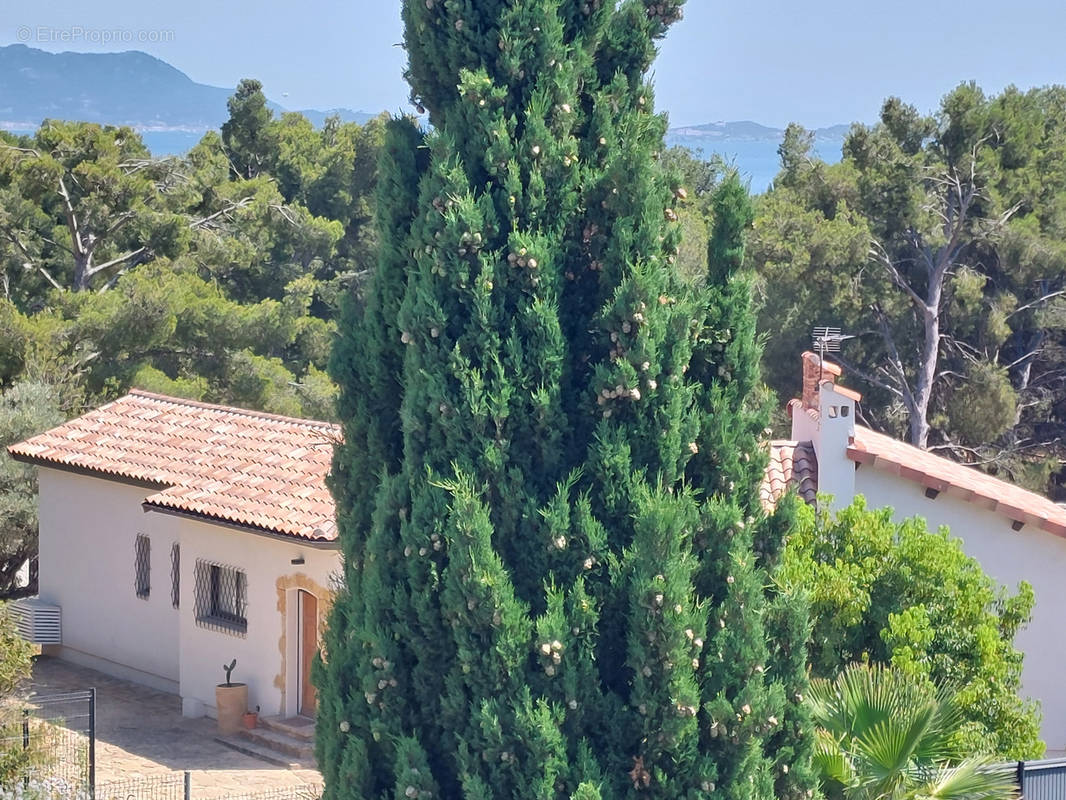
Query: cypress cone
x=557, y=576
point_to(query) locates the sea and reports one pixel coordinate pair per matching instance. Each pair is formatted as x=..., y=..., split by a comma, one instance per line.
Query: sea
x=757, y=160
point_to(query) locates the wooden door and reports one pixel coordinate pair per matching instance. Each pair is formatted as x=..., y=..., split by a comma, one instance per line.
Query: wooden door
x=308, y=648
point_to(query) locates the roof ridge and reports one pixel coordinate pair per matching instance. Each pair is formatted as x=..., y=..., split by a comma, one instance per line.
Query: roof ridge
x=247, y=412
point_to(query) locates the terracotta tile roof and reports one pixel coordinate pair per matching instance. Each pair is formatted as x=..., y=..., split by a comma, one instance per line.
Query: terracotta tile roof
x=226, y=464
x=792, y=465
x=943, y=475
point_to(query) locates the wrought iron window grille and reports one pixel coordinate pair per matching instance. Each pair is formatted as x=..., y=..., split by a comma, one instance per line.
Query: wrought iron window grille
x=175, y=575
x=221, y=597
x=142, y=550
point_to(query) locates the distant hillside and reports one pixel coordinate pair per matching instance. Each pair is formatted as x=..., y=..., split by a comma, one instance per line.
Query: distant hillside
x=130, y=88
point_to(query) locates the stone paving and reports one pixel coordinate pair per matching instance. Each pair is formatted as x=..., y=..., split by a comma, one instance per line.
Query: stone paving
x=140, y=733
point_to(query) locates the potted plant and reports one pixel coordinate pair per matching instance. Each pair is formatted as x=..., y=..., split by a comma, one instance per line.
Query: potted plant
x=231, y=700
x=251, y=718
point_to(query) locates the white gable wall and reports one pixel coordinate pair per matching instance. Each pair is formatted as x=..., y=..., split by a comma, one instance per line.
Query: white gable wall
x=88, y=527
x=1009, y=557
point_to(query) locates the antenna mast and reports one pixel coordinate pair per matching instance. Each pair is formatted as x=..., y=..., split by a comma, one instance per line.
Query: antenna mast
x=827, y=340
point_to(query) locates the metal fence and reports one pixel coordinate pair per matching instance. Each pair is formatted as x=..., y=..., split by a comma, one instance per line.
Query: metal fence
x=50, y=739
x=1042, y=780
x=176, y=786
x=179, y=786
x=306, y=792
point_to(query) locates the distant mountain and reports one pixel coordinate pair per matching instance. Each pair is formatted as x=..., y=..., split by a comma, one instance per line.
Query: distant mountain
x=130, y=88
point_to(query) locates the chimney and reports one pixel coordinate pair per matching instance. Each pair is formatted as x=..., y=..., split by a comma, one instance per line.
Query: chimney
x=826, y=417
x=815, y=370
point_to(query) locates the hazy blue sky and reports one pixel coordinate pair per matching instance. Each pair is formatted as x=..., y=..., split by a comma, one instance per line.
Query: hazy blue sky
x=817, y=62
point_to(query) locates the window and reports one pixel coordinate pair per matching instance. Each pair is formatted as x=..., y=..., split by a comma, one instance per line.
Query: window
x=221, y=597
x=175, y=574
x=142, y=551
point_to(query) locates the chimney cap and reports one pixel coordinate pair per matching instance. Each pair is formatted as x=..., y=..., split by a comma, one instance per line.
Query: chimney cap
x=851, y=394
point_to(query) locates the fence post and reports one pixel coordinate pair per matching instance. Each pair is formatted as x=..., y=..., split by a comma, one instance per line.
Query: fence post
x=188, y=785
x=1020, y=778
x=92, y=743
x=26, y=740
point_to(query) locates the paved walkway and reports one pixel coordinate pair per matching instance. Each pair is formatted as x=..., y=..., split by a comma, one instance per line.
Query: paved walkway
x=140, y=733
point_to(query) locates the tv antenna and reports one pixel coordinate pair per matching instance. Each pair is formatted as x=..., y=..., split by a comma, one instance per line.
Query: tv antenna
x=827, y=340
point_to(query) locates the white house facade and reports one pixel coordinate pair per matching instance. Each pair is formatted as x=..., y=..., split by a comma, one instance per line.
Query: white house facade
x=177, y=536
x=1014, y=534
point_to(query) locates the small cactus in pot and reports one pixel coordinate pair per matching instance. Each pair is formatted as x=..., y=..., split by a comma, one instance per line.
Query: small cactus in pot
x=231, y=701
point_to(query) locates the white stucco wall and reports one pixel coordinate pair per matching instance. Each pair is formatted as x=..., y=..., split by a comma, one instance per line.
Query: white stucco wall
x=835, y=430
x=266, y=654
x=1009, y=557
x=87, y=531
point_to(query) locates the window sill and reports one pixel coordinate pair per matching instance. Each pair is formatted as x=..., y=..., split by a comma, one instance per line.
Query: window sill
x=223, y=625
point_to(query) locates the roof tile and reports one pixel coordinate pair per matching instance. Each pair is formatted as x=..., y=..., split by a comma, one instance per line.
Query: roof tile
x=792, y=465
x=212, y=461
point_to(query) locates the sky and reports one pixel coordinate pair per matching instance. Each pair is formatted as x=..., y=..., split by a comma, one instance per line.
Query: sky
x=816, y=62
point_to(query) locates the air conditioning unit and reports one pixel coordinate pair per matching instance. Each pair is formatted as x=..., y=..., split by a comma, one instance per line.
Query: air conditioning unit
x=38, y=622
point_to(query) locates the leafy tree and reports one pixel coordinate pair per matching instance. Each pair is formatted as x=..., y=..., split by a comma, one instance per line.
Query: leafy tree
x=901, y=595
x=937, y=242
x=247, y=134
x=331, y=172
x=235, y=283
x=556, y=566
x=16, y=655
x=81, y=203
x=883, y=736
x=698, y=180
x=16, y=662
x=26, y=409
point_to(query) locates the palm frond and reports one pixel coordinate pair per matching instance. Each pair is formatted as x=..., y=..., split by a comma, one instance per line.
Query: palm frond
x=974, y=779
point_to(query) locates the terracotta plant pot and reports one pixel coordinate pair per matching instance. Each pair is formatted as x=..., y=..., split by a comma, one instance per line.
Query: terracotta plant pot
x=251, y=719
x=232, y=703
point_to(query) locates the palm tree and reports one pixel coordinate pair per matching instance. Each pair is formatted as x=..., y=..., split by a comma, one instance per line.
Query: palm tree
x=884, y=736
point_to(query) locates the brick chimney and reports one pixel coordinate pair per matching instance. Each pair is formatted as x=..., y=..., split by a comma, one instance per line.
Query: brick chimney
x=816, y=370
x=825, y=416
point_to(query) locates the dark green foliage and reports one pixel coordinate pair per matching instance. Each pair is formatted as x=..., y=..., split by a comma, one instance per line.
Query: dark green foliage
x=900, y=594
x=557, y=571
x=247, y=134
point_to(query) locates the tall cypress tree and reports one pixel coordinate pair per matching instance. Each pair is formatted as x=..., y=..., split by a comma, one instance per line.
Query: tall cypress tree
x=556, y=568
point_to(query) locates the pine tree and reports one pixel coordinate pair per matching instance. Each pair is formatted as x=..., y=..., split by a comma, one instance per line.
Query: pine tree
x=556, y=575
x=246, y=135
